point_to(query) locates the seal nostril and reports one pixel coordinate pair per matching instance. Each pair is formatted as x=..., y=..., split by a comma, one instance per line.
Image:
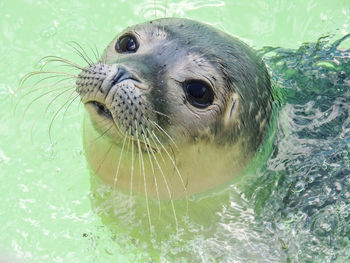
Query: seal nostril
x=122, y=74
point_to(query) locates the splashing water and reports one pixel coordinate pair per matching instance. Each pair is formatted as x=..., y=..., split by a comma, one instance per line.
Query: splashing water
x=303, y=195
x=296, y=208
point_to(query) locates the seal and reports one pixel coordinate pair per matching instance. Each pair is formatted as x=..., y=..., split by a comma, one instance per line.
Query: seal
x=175, y=107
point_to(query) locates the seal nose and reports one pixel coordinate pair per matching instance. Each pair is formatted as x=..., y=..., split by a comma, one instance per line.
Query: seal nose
x=121, y=75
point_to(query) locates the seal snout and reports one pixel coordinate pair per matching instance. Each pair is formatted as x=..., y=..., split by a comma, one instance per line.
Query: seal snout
x=115, y=96
x=121, y=75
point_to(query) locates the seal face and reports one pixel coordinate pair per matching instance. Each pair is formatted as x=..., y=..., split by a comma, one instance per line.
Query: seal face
x=175, y=107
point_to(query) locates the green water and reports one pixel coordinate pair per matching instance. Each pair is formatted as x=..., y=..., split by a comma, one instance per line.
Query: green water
x=297, y=210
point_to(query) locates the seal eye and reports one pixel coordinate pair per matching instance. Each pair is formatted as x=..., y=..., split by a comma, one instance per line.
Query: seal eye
x=126, y=43
x=199, y=94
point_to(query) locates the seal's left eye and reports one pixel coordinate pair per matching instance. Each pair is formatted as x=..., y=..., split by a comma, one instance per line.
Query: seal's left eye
x=127, y=44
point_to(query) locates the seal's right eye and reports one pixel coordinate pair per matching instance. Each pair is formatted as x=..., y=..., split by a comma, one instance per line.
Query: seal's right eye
x=126, y=44
x=199, y=93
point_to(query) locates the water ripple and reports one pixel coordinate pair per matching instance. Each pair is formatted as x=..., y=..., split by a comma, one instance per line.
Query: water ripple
x=151, y=9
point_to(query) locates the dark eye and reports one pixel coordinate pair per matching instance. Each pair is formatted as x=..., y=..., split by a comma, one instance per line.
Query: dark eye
x=199, y=93
x=126, y=43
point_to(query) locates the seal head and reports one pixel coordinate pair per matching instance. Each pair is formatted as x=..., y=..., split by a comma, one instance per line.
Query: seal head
x=175, y=107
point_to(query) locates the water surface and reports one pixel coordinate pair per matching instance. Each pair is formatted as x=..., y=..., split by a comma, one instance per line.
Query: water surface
x=296, y=210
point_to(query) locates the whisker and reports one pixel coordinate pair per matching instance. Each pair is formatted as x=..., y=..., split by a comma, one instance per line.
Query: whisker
x=175, y=166
x=120, y=158
x=104, y=158
x=167, y=187
x=155, y=144
x=142, y=168
x=47, y=78
x=84, y=52
x=83, y=97
x=173, y=120
x=41, y=96
x=58, y=111
x=162, y=130
x=65, y=66
x=160, y=113
x=42, y=114
x=93, y=50
x=132, y=163
x=132, y=167
x=153, y=173
x=59, y=59
x=34, y=90
x=100, y=135
x=27, y=76
x=81, y=52
x=64, y=114
x=97, y=52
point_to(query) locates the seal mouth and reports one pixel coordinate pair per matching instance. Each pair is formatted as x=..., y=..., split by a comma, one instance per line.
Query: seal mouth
x=101, y=109
x=105, y=113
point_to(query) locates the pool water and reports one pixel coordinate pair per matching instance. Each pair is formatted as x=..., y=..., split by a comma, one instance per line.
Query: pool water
x=295, y=208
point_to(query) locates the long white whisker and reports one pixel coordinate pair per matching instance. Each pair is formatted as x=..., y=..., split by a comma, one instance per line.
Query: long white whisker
x=167, y=186
x=58, y=111
x=132, y=167
x=120, y=158
x=104, y=158
x=47, y=85
x=48, y=106
x=162, y=130
x=175, y=166
x=153, y=173
x=82, y=53
x=42, y=95
x=100, y=136
x=59, y=59
x=142, y=168
x=65, y=111
x=155, y=144
x=58, y=74
x=41, y=115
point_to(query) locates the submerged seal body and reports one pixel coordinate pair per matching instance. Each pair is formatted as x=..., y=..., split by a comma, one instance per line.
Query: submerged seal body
x=175, y=107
